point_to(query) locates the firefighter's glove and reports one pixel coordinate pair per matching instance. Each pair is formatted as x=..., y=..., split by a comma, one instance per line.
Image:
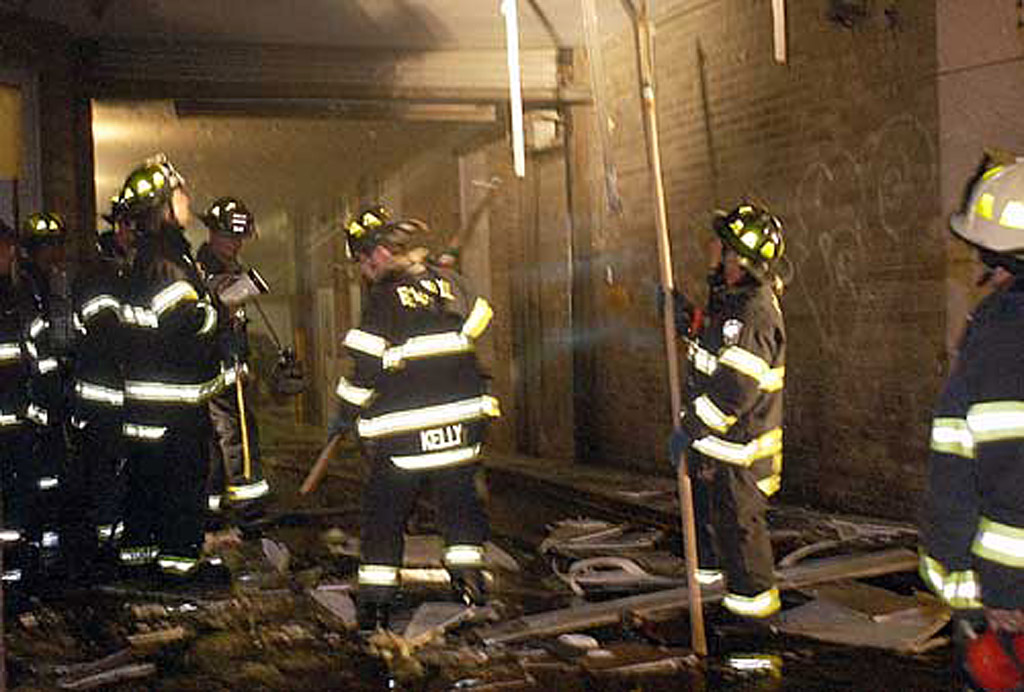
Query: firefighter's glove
x=683, y=311
x=678, y=444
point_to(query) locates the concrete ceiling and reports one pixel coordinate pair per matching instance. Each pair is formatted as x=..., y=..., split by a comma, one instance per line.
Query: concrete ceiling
x=273, y=163
x=418, y=24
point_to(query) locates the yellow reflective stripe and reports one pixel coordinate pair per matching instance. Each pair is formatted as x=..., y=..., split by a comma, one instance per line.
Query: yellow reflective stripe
x=357, y=396
x=167, y=392
x=37, y=414
x=932, y=572
x=774, y=379
x=478, y=319
x=95, y=306
x=426, y=346
x=957, y=589
x=30, y=346
x=364, y=342
x=703, y=360
x=10, y=535
x=99, y=393
x=429, y=417
x=209, y=317
x=37, y=326
x=996, y=420
x=143, y=432
x=738, y=453
x=140, y=317
x=47, y=365
x=985, y=205
x=463, y=556
x=712, y=416
x=171, y=296
x=961, y=590
x=770, y=485
x=10, y=351
x=48, y=483
x=433, y=460
x=1000, y=543
x=177, y=565
x=139, y=555
x=743, y=361
x=378, y=575
x=760, y=606
x=250, y=491
x=707, y=577
x=7, y=419
x=952, y=436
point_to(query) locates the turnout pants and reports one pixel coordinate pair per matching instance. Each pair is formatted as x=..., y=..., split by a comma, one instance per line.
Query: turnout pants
x=388, y=499
x=165, y=506
x=20, y=510
x=732, y=529
x=226, y=479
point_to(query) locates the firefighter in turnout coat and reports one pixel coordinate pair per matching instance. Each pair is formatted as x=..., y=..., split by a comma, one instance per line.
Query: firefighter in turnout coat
x=972, y=529
x=731, y=430
x=96, y=475
x=17, y=475
x=173, y=369
x=418, y=403
x=230, y=224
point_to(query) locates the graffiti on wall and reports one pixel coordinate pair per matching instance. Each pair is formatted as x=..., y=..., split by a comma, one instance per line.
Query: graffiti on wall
x=851, y=205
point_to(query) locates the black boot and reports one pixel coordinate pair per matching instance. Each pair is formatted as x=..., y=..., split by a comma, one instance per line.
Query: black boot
x=469, y=586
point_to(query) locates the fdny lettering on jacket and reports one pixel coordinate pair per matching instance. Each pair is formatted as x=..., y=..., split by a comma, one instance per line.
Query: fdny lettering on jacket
x=422, y=294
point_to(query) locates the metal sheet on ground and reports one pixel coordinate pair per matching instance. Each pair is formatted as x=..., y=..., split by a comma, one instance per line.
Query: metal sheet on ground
x=610, y=612
x=907, y=631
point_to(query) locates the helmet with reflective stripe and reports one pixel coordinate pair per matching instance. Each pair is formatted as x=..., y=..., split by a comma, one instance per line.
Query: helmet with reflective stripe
x=149, y=186
x=755, y=235
x=43, y=227
x=993, y=218
x=228, y=216
x=362, y=232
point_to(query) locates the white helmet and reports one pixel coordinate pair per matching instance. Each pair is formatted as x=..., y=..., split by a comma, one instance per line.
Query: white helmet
x=994, y=216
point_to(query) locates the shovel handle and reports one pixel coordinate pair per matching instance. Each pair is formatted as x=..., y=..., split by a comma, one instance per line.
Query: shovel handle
x=319, y=468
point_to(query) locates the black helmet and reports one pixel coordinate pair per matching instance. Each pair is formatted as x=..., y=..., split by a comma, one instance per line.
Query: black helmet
x=228, y=216
x=149, y=186
x=362, y=230
x=755, y=235
x=43, y=227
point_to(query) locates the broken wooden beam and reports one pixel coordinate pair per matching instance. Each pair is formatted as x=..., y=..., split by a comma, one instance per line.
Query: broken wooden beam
x=610, y=612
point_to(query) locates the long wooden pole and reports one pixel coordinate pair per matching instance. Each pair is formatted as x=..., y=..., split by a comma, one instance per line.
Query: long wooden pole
x=645, y=62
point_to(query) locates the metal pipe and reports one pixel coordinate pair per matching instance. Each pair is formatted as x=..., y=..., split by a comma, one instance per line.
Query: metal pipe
x=515, y=85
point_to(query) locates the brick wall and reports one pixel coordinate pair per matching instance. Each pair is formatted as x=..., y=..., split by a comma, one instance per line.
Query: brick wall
x=842, y=143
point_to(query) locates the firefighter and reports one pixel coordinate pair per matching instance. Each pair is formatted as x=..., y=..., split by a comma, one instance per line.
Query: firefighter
x=17, y=476
x=44, y=273
x=233, y=480
x=972, y=529
x=731, y=428
x=96, y=470
x=418, y=404
x=173, y=369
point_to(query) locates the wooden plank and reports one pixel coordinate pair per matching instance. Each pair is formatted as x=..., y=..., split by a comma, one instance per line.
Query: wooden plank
x=610, y=612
